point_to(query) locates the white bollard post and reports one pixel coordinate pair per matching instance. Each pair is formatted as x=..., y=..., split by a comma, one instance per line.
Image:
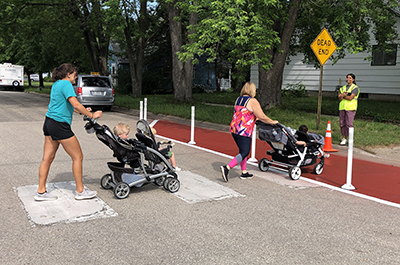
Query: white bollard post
x=192, y=128
x=141, y=111
x=145, y=110
x=253, y=145
x=348, y=185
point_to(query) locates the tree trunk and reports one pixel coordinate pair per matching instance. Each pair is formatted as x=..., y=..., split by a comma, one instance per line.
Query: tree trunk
x=217, y=72
x=189, y=69
x=91, y=51
x=136, y=60
x=182, y=72
x=178, y=76
x=270, y=82
x=41, y=82
x=141, y=45
x=136, y=92
x=103, y=55
x=237, y=83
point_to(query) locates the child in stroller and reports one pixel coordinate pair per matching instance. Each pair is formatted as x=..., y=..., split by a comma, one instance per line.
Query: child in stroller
x=145, y=163
x=291, y=149
x=122, y=131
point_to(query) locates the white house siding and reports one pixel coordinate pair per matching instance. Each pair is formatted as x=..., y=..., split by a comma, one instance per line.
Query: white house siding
x=378, y=80
x=370, y=79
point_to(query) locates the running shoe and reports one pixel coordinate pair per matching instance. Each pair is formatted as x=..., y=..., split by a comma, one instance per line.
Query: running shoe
x=45, y=196
x=225, y=171
x=85, y=194
x=246, y=175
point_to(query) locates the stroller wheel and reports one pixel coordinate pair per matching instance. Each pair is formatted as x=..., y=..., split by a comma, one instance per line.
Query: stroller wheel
x=160, y=181
x=172, y=184
x=263, y=165
x=105, y=182
x=166, y=181
x=294, y=172
x=121, y=190
x=318, y=168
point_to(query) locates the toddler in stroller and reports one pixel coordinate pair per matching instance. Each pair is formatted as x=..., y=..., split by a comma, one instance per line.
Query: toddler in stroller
x=138, y=163
x=291, y=149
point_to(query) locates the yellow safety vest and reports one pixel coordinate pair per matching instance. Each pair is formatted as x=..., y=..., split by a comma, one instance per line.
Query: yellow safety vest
x=349, y=104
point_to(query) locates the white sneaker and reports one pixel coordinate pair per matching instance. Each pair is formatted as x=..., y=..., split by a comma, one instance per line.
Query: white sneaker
x=177, y=169
x=85, y=194
x=343, y=142
x=45, y=197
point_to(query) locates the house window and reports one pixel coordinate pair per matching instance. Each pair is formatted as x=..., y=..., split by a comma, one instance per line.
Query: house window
x=382, y=56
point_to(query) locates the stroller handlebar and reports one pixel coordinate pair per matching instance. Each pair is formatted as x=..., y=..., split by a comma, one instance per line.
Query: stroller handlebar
x=86, y=118
x=91, y=124
x=258, y=122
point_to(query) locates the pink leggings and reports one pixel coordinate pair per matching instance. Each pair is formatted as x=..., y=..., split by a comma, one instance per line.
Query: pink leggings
x=243, y=164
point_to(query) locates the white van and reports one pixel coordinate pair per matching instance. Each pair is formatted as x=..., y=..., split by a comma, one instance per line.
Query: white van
x=11, y=75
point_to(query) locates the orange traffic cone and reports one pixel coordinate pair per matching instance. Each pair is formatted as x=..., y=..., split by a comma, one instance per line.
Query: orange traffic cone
x=328, y=139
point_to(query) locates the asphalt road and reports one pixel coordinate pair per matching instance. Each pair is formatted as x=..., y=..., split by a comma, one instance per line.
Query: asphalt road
x=272, y=223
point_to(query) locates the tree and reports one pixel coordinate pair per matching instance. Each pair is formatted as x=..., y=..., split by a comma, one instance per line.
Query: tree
x=240, y=29
x=96, y=31
x=262, y=32
x=37, y=44
x=182, y=70
x=137, y=23
x=270, y=80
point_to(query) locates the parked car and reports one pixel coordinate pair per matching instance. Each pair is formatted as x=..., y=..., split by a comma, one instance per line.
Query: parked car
x=34, y=77
x=94, y=90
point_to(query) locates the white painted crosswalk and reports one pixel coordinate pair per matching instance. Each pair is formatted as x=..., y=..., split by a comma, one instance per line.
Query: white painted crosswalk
x=195, y=188
x=63, y=210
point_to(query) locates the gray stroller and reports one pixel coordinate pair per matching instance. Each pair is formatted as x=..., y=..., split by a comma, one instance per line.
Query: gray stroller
x=139, y=161
x=286, y=155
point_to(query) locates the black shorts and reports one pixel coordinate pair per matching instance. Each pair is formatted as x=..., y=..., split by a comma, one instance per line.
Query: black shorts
x=57, y=130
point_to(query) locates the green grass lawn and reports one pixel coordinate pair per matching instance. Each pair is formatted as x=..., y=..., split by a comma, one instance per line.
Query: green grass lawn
x=376, y=122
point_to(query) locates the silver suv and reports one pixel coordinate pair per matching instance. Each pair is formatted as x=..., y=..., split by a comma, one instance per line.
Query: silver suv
x=94, y=90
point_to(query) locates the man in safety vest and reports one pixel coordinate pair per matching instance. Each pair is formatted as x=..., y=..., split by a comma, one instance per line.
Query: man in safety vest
x=348, y=99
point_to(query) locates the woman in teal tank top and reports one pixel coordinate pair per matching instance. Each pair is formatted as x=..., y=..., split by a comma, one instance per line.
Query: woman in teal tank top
x=57, y=130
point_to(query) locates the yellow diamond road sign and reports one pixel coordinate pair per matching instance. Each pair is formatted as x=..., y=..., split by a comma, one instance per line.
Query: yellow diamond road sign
x=323, y=46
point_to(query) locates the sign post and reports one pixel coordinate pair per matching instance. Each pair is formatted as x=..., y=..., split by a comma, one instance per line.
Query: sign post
x=323, y=47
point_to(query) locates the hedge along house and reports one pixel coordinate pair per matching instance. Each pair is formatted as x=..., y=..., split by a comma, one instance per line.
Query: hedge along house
x=378, y=79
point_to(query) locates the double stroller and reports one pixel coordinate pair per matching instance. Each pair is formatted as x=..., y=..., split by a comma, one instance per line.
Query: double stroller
x=139, y=161
x=288, y=156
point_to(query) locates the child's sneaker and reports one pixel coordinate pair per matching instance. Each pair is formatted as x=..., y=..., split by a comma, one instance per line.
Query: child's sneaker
x=45, y=196
x=343, y=142
x=85, y=194
x=177, y=169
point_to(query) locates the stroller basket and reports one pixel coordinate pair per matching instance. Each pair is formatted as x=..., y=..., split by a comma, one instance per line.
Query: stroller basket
x=119, y=169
